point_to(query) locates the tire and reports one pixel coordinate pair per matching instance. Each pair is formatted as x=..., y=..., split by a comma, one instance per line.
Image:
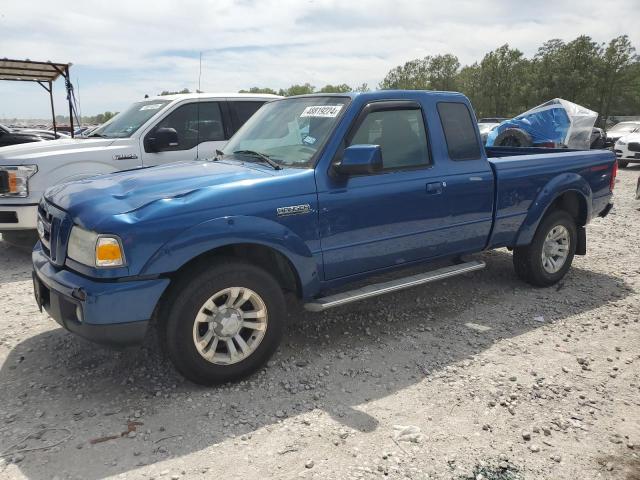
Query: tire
x=528, y=260
x=191, y=300
x=513, y=137
x=623, y=163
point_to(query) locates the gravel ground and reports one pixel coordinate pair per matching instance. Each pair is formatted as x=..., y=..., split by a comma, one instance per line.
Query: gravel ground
x=481, y=376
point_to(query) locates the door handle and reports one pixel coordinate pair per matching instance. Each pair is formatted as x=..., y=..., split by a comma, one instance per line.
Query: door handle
x=435, y=188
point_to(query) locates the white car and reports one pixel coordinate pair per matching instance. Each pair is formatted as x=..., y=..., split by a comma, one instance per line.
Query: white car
x=151, y=132
x=627, y=149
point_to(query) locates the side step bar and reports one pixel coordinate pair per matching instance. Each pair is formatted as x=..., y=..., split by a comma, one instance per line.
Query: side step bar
x=376, y=289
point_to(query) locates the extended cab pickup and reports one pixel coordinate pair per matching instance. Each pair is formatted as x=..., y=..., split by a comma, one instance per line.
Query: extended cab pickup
x=151, y=132
x=312, y=193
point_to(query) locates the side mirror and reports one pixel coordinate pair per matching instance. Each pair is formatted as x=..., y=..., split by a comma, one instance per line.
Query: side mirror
x=360, y=160
x=163, y=138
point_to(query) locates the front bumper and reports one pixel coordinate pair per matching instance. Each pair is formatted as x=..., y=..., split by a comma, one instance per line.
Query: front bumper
x=625, y=154
x=106, y=312
x=18, y=217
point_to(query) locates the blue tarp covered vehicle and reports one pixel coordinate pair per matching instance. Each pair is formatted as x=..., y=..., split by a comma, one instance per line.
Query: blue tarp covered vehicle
x=557, y=123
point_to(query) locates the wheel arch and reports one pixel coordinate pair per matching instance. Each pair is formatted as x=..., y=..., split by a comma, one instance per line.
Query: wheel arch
x=267, y=258
x=569, y=192
x=259, y=241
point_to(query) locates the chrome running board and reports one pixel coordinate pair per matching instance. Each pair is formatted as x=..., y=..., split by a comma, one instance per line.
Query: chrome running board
x=376, y=289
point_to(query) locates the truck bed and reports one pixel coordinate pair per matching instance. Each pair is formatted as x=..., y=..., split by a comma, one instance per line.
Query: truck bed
x=500, y=152
x=525, y=175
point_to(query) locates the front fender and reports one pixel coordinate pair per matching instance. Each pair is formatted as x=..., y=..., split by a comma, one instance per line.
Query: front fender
x=233, y=230
x=558, y=185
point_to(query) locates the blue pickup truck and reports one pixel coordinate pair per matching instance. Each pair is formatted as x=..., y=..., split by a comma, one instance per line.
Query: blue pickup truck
x=312, y=194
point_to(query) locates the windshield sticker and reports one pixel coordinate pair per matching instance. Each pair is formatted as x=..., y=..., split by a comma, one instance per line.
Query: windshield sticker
x=153, y=106
x=323, y=111
x=309, y=140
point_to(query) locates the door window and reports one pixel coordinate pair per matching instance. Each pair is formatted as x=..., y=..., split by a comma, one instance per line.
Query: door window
x=401, y=135
x=195, y=123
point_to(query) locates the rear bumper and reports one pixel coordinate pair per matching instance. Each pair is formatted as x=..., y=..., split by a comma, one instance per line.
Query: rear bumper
x=111, y=313
x=17, y=217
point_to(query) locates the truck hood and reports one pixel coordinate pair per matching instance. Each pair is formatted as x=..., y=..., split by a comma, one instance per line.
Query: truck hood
x=191, y=184
x=29, y=153
x=630, y=137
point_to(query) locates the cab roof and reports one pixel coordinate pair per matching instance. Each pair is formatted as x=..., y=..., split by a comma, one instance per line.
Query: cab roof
x=400, y=94
x=185, y=96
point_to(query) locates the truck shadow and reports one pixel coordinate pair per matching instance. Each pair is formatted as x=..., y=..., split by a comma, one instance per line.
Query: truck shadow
x=335, y=362
x=15, y=261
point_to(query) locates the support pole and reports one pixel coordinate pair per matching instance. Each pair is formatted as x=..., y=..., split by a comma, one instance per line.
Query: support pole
x=53, y=111
x=69, y=97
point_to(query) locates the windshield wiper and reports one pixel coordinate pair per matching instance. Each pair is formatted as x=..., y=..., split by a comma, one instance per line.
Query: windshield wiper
x=97, y=135
x=265, y=158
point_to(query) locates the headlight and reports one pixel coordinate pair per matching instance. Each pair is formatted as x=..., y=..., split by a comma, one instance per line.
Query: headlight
x=622, y=144
x=95, y=250
x=14, y=181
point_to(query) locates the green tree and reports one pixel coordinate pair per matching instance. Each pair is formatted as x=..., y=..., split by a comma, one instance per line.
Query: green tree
x=469, y=81
x=442, y=72
x=581, y=61
x=413, y=75
x=335, y=88
x=500, y=74
x=618, y=77
x=297, y=90
x=184, y=90
x=436, y=73
x=259, y=90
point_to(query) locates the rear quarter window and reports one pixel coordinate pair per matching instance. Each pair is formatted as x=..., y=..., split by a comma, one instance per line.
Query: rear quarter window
x=241, y=111
x=459, y=131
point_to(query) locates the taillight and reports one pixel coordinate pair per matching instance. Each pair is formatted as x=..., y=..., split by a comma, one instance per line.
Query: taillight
x=614, y=173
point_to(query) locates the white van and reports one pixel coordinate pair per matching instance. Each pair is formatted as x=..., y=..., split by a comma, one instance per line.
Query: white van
x=151, y=132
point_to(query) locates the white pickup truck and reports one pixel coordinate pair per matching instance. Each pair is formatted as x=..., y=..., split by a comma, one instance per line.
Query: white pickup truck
x=151, y=132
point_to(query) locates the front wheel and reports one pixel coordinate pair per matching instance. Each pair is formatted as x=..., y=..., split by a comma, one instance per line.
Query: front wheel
x=223, y=322
x=548, y=258
x=623, y=163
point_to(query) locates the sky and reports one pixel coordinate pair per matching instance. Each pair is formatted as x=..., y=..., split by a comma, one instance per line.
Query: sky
x=122, y=50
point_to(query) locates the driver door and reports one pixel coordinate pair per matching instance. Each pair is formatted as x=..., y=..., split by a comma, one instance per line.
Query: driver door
x=201, y=130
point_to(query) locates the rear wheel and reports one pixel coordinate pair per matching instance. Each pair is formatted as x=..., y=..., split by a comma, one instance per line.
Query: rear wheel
x=548, y=258
x=223, y=323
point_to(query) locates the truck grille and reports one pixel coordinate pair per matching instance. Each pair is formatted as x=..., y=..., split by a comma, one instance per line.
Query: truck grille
x=634, y=147
x=54, y=226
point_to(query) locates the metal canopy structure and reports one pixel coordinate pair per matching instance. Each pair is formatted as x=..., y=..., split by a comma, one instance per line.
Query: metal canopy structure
x=43, y=73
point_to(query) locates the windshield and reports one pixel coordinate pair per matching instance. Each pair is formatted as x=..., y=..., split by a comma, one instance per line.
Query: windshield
x=126, y=123
x=289, y=131
x=625, y=127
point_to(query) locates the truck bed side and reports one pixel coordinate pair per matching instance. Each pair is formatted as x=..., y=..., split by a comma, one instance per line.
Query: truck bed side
x=528, y=183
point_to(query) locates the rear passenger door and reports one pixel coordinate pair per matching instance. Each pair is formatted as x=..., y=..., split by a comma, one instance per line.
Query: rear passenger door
x=469, y=179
